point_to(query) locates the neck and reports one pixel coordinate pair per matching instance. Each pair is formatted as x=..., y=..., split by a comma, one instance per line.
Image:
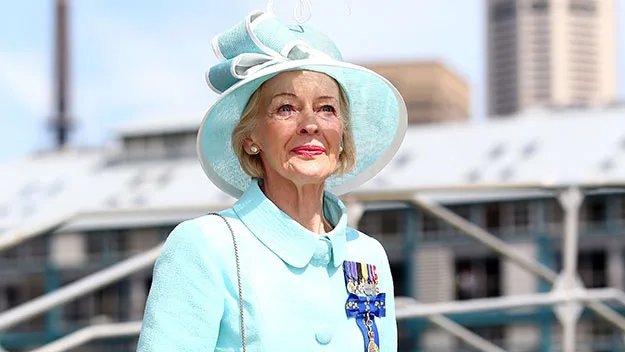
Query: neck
x=303, y=203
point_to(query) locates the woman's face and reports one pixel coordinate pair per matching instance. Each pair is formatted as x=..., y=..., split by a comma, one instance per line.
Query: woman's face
x=299, y=127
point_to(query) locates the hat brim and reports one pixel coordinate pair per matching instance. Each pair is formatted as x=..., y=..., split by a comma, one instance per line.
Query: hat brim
x=378, y=120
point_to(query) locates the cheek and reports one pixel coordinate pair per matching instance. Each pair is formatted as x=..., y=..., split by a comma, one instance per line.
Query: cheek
x=334, y=135
x=276, y=135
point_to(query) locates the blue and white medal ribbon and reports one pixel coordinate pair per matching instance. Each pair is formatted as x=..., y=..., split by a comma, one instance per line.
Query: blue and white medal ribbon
x=363, y=304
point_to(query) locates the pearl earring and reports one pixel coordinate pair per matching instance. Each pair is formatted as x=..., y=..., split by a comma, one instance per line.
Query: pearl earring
x=254, y=149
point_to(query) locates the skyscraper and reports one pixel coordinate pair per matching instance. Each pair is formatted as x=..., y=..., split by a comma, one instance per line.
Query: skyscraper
x=550, y=53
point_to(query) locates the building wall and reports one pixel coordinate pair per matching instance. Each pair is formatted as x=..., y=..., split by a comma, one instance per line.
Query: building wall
x=516, y=280
x=438, y=340
x=68, y=250
x=616, y=272
x=435, y=274
x=431, y=90
x=522, y=337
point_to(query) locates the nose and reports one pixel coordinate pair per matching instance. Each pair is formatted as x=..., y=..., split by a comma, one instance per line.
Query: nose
x=309, y=125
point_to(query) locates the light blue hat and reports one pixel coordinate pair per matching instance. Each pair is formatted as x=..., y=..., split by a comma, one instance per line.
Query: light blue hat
x=259, y=48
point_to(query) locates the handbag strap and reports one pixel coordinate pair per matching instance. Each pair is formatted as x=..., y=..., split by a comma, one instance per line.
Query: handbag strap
x=239, y=284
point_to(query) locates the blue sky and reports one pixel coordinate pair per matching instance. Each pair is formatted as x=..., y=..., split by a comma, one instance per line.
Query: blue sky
x=145, y=59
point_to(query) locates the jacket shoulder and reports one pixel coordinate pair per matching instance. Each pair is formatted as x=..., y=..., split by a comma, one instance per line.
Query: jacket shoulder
x=363, y=246
x=208, y=232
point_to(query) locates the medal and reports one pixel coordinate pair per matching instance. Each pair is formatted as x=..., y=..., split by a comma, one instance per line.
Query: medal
x=351, y=288
x=364, y=302
x=369, y=289
x=351, y=277
x=372, y=347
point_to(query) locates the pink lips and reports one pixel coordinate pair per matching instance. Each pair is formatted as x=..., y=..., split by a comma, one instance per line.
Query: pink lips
x=308, y=150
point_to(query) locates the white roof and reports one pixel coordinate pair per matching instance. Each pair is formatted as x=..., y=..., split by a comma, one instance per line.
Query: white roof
x=158, y=125
x=549, y=147
x=554, y=148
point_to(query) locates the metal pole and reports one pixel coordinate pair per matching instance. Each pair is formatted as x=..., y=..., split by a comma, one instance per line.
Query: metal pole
x=11, y=238
x=38, y=227
x=414, y=309
x=61, y=123
x=81, y=287
x=91, y=333
x=483, y=236
x=570, y=200
x=467, y=336
x=508, y=251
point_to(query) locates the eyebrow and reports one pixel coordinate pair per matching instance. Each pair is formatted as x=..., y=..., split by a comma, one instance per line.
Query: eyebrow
x=295, y=96
x=283, y=94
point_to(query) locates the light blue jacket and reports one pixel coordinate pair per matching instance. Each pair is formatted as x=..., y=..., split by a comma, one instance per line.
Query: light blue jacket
x=293, y=284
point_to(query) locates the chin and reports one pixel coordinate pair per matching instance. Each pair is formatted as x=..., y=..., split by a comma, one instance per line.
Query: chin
x=309, y=174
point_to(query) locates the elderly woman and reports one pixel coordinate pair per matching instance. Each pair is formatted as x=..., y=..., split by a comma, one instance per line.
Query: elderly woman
x=281, y=270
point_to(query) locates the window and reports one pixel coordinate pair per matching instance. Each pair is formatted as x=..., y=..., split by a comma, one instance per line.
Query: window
x=11, y=293
x=392, y=221
x=555, y=217
x=492, y=217
x=398, y=272
x=380, y=222
x=540, y=5
x=95, y=245
x=118, y=241
x=591, y=267
x=108, y=301
x=622, y=208
x=604, y=336
x=179, y=144
x=38, y=247
x=77, y=311
x=12, y=253
x=503, y=11
x=583, y=6
x=463, y=211
x=135, y=147
x=595, y=210
x=521, y=216
x=430, y=227
x=24, y=289
x=477, y=278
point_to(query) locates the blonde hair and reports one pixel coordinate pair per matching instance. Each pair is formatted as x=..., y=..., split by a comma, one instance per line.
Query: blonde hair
x=253, y=165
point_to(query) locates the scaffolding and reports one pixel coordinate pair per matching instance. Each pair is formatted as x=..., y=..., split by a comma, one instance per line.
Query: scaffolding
x=567, y=295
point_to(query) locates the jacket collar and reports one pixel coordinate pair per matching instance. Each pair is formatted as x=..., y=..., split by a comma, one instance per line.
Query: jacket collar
x=284, y=236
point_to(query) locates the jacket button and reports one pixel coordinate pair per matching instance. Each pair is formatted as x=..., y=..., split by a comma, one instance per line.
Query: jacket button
x=324, y=334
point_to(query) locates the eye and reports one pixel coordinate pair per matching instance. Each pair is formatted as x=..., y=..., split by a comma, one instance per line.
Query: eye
x=328, y=108
x=285, y=108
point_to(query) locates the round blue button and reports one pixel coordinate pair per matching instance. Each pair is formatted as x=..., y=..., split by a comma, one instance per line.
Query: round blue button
x=324, y=334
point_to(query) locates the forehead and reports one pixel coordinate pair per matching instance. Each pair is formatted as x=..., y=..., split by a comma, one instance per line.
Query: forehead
x=302, y=83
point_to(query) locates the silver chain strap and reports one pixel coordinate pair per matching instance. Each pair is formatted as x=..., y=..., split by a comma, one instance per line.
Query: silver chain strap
x=240, y=285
